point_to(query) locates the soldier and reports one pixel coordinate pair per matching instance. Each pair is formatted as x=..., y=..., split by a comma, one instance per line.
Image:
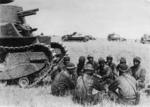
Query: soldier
x=111, y=65
x=138, y=72
x=92, y=62
x=104, y=71
x=122, y=61
x=60, y=67
x=124, y=88
x=64, y=81
x=85, y=85
x=80, y=65
x=63, y=65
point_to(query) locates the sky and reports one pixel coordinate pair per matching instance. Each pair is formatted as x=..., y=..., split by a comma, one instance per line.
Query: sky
x=128, y=18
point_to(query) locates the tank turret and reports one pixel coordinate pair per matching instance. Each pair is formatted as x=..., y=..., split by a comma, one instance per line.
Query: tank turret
x=25, y=59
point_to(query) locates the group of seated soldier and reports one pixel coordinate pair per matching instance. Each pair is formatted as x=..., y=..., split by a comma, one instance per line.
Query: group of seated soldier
x=121, y=83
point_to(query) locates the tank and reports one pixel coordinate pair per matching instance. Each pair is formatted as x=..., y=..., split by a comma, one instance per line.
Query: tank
x=115, y=37
x=25, y=59
x=145, y=39
x=75, y=37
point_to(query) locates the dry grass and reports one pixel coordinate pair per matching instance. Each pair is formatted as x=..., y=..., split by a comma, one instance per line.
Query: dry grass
x=40, y=97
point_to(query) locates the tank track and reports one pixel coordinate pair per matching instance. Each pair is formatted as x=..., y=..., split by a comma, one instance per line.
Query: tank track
x=40, y=47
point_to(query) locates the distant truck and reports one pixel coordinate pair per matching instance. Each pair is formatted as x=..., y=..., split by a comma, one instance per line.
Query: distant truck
x=145, y=39
x=115, y=37
x=75, y=37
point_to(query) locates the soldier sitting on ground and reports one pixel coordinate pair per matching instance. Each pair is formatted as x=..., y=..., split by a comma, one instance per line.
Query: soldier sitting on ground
x=92, y=62
x=104, y=71
x=80, y=65
x=64, y=81
x=138, y=72
x=122, y=61
x=124, y=89
x=60, y=67
x=112, y=65
x=85, y=85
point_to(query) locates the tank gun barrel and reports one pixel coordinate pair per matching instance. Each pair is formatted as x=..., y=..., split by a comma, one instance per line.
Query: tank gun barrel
x=27, y=12
x=5, y=1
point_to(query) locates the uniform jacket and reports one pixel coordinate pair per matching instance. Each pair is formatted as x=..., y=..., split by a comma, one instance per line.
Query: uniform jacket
x=126, y=85
x=80, y=68
x=85, y=86
x=57, y=69
x=94, y=64
x=138, y=73
x=105, y=72
x=113, y=68
x=62, y=82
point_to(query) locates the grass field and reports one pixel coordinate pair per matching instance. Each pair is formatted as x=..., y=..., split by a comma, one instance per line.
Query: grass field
x=41, y=97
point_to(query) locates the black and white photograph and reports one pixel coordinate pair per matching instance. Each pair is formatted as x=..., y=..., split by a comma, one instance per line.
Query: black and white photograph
x=74, y=53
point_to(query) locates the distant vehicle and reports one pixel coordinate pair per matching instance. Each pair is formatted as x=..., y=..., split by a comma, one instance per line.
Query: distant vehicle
x=75, y=37
x=145, y=39
x=115, y=37
x=90, y=37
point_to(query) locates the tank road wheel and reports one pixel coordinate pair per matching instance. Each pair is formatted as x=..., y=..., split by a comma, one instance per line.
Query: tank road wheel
x=23, y=82
x=3, y=83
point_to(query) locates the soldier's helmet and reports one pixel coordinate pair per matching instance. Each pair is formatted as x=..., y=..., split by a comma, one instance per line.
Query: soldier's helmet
x=66, y=58
x=137, y=59
x=82, y=59
x=109, y=57
x=90, y=56
x=101, y=60
x=70, y=66
x=88, y=68
x=123, y=68
x=122, y=60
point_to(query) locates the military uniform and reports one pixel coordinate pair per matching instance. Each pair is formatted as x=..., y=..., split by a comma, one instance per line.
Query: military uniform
x=61, y=66
x=80, y=68
x=105, y=73
x=62, y=83
x=93, y=63
x=80, y=65
x=113, y=68
x=122, y=61
x=139, y=73
x=125, y=88
x=85, y=85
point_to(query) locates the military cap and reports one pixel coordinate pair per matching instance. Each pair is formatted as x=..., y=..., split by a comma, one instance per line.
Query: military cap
x=109, y=57
x=70, y=66
x=123, y=68
x=82, y=59
x=66, y=58
x=90, y=56
x=101, y=59
x=137, y=59
x=88, y=68
x=123, y=59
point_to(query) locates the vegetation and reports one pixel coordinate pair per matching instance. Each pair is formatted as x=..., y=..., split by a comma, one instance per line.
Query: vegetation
x=41, y=97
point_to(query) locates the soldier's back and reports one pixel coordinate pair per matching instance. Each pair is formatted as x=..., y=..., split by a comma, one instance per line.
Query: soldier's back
x=127, y=85
x=84, y=85
x=59, y=82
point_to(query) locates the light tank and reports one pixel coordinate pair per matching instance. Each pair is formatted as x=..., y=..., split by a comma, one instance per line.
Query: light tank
x=25, y=59
x=75, y=37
